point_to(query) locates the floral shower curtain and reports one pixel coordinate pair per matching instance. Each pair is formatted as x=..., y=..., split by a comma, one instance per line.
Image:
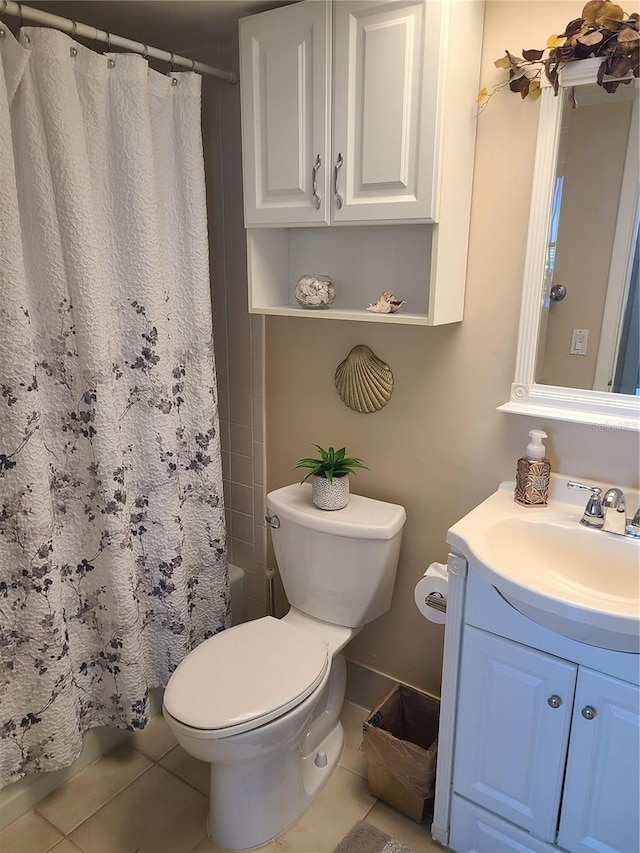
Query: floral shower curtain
x=112, y=542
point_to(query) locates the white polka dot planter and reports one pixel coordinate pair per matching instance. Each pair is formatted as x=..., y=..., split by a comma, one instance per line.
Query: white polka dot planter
x=330, y=495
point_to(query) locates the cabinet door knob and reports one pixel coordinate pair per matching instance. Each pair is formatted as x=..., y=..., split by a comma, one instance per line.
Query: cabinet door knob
x=314, y=182
x=337, y=167
x=554, y=700
x=588, y=712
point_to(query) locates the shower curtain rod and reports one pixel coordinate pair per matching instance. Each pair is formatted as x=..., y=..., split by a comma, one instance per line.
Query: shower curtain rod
x=26, y=13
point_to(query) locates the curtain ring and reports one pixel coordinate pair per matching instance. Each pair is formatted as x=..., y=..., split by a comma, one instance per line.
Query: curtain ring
x=145, y=54
x=20, y=14
x=172, y=63
x=73, y=29
x=193, y=65
x=111, y=63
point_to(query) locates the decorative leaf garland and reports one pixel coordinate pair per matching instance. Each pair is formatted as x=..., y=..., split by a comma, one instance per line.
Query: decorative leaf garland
x=604, y=30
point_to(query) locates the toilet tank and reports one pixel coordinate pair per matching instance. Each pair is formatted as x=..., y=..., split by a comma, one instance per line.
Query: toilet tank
x=336, y=566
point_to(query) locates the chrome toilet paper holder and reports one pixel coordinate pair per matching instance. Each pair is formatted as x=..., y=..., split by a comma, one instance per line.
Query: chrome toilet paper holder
x=437, y=601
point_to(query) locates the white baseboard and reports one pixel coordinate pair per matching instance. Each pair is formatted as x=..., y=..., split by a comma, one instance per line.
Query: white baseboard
x=366, y=687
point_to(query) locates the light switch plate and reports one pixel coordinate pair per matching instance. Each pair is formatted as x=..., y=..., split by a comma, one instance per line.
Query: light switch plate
x=579, y=341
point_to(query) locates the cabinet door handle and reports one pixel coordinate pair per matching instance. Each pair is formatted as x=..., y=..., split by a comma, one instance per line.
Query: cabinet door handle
x=588, y=712
x=554, y=701
x=337, y=195
x=314, y=181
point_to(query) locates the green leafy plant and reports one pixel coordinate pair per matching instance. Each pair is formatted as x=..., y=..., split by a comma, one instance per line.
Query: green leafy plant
x=604, y=30
x=332, y=463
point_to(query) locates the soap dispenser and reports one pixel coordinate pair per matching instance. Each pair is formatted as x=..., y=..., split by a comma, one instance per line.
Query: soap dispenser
x=533, y=473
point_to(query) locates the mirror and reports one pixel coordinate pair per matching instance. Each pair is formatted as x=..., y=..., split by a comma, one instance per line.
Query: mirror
x=591, y=245
x=578, y=347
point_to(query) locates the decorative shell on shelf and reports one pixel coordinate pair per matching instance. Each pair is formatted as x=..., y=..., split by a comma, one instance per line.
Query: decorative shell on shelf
x=387, y=304
x=363, y=381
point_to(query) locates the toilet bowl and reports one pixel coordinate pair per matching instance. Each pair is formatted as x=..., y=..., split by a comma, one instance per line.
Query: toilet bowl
x=271, y=765
x=261, y=701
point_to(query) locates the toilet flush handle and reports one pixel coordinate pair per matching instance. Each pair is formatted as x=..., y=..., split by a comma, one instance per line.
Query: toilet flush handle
x=273, y=521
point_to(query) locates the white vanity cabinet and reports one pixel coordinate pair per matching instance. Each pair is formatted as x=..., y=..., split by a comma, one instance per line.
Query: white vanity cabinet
x=359, y=113
x=601, y=802
x=543, y=734
x=522, y=720
x=513, y=730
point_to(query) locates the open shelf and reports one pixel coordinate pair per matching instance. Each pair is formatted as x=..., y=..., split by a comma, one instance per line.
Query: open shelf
x=345, y=314
x=362, y=261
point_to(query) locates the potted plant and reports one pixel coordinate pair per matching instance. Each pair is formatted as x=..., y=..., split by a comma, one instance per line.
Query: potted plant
x=330, y=476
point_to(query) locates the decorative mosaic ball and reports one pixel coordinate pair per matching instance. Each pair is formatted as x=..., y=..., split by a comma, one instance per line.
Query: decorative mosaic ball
x=315, y=291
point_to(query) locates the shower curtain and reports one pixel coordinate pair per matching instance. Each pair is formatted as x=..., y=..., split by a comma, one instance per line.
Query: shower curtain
x=112, y=541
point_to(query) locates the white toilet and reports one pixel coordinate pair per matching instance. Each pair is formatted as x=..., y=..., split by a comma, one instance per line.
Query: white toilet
x=261, y=702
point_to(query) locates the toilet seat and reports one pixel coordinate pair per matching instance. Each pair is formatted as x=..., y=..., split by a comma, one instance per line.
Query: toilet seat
x=245, y=677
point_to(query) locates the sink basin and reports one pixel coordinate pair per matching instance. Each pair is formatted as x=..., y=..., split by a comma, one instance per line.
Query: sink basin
x=580, y=582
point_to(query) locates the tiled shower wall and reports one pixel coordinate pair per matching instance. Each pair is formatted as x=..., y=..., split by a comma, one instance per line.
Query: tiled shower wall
x=238, y=336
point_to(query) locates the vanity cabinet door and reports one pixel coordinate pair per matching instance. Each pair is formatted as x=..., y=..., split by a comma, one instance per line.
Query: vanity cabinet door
x=284, y=79
x=386, y=110
x=512, y=730
x=600, y=802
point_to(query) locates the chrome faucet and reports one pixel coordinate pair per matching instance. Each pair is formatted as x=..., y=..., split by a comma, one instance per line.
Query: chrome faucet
x=593, y=515
x=615, y=512
x=608, y=513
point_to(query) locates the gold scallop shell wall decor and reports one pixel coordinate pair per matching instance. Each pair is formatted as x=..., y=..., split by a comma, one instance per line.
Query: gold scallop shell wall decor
x=363, y=381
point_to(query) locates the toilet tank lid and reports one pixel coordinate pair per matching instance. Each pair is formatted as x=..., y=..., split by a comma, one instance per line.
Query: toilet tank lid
x=362, y=518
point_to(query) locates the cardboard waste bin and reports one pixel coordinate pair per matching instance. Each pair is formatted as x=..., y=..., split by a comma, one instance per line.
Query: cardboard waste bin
x=400, y=741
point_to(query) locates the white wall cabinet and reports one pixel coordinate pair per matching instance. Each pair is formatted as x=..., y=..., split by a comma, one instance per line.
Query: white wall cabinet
x=357, y=113
x=284, y=74
x=545, y=746
x=384, y=112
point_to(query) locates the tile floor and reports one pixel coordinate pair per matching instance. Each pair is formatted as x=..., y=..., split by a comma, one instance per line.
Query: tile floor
x=149, y=796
